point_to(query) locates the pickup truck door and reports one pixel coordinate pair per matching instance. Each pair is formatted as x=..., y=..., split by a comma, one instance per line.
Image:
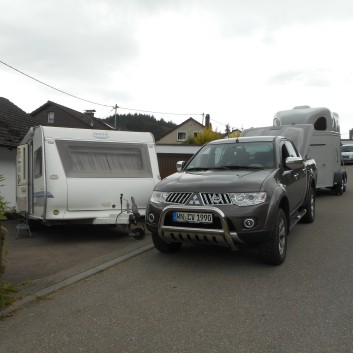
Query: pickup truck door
x=295, y=181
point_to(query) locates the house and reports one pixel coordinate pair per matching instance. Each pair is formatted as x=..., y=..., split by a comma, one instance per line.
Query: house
x=170, y=147
x=181, y=133
x=53, y=114
x=14, y=124
x=234, y=133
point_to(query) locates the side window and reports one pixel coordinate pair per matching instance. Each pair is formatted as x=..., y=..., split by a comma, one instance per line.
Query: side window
x=37, y=163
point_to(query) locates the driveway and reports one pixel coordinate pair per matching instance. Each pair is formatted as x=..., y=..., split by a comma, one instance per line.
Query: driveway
x=54, y=254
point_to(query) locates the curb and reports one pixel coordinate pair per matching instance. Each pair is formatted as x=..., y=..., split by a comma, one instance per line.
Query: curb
x=71, y=280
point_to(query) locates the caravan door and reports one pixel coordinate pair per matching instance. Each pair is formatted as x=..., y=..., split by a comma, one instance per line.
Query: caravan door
x=22, y=188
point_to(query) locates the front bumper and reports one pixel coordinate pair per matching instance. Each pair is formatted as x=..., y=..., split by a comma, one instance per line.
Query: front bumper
x=225, y=231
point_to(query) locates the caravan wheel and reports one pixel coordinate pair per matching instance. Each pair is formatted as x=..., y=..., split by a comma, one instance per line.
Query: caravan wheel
x=139, y=233
x=339, y=188
x=344, y=182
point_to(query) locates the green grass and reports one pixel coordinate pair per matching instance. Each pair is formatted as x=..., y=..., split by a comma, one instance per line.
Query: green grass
x=7, y=295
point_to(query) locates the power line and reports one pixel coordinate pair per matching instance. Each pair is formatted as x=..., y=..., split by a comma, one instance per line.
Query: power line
x=57, y=89
x=218, y=122
x=85, y=100
x=153, y=112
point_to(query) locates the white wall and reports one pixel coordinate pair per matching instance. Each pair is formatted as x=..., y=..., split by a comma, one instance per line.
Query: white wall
x=8, y=170
x=178, y=149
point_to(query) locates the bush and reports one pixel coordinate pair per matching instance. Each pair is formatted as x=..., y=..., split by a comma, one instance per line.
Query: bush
x=204, y=136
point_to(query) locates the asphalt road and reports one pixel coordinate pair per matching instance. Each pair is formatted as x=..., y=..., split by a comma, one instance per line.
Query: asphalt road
x=205, y=299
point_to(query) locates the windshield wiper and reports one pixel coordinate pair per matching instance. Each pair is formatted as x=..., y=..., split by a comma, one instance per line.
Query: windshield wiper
x=196, y=169
x=241, y=167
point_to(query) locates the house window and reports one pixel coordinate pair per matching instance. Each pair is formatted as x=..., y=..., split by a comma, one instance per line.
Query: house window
x=50, y=117
x=181, y=136
x=196, y=133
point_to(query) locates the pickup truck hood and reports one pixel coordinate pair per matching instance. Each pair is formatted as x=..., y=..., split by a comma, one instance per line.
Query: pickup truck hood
x=215, y=181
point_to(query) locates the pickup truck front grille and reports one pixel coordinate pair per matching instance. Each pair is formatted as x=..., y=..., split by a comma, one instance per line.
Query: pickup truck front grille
x=215, y=199
x=178, y=197
x=207, y=198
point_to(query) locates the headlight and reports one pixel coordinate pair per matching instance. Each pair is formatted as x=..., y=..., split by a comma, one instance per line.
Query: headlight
x=159, y=197
x=247, y=198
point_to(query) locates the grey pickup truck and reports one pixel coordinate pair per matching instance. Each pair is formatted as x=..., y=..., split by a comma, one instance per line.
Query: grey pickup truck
x=235, y=192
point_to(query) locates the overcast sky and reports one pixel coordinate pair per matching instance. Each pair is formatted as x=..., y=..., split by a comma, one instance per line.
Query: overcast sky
x=240, y=61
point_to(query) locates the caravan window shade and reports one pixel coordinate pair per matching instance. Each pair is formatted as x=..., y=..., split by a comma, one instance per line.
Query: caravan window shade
x=82, y=159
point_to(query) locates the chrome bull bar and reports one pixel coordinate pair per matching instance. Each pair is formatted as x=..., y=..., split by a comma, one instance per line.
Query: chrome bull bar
x=220, y=237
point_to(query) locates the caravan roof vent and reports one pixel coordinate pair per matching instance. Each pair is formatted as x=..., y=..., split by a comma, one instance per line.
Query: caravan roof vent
x=301, y=107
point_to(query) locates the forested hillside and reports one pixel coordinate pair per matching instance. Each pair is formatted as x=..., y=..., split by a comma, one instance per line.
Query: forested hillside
x=141, y=122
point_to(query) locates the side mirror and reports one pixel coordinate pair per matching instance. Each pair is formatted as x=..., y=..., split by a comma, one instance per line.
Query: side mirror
x=294, y=163
x=180, y=165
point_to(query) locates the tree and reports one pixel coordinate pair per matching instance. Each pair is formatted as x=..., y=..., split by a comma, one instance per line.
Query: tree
x=228, y=129
x=204, y=136
x=141, y=122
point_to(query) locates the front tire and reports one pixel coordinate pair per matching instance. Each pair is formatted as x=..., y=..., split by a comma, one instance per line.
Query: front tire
x=310, y=207
x=274, y=250
x=164, y=247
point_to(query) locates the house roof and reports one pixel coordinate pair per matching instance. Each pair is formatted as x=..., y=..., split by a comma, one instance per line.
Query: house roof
x=180, y=125
x=91, y=122
x=14, y=123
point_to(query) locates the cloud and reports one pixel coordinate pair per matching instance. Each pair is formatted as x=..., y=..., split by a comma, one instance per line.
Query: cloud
x=217, y=57
x=315, y=78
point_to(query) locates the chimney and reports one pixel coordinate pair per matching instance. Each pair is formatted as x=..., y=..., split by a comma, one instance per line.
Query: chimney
x=90, y=113
x=207, y=121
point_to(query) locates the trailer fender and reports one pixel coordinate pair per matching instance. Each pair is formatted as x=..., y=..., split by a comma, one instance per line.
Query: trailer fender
x=337, y=178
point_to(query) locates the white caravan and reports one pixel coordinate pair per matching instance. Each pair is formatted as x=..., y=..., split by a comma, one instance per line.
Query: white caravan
x=324, y=141
x=85, y=176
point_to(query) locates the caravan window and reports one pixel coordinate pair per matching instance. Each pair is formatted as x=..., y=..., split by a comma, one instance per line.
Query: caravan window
x=104, y=159
x=320, y=123
x=37, y=163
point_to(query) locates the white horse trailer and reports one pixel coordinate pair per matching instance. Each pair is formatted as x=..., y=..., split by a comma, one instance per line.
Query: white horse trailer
x=85, y=176
x=325, y=143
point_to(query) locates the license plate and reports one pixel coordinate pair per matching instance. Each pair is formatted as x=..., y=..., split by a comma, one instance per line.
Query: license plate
x=192, y=217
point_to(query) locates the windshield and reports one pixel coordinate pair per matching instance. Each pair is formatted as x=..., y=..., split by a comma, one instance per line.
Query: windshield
x=347, y=148
x=233, y=156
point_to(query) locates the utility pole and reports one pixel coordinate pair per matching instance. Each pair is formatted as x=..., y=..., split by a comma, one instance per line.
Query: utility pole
x=116, y=107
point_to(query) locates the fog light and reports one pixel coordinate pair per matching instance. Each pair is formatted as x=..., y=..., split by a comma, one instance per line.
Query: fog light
x=55, y=212
x=249, y=223
x=151, y=217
